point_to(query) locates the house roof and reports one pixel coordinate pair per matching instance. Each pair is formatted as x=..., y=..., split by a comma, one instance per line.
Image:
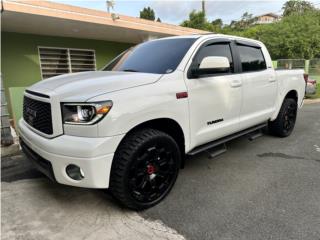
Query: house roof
x=56, y=19
x=269, y=14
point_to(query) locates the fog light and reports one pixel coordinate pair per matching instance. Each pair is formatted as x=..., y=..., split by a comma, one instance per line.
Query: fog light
x=74, y=172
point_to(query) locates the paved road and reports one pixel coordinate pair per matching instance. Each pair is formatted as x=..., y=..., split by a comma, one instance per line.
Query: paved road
x=265, y=189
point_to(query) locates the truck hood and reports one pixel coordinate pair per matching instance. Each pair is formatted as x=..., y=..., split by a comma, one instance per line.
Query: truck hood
x=85, y=85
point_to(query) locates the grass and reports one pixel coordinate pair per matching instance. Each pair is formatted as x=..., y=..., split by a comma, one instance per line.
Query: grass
x=315, y=77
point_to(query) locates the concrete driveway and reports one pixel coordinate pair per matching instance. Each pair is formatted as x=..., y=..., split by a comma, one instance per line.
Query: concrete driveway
x=265, y=189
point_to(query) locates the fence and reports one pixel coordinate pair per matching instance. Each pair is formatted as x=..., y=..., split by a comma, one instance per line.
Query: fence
x=314, y=68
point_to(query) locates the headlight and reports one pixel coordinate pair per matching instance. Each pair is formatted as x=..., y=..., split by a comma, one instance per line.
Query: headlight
x=85, y=113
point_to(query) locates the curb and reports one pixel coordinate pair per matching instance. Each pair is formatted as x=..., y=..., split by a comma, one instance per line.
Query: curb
x=13, y=149
x=311, y=101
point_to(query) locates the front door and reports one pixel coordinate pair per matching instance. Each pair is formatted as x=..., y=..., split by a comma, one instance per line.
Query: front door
x=215, y=99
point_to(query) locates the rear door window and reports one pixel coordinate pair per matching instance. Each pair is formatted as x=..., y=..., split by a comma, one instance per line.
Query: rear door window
x=252, y=58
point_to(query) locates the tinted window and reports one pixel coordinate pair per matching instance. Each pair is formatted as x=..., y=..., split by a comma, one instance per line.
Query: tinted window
x=251, y=58
x=159, y=56
x=216, y=50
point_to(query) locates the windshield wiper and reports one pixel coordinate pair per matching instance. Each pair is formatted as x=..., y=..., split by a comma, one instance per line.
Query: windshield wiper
x=130, y=70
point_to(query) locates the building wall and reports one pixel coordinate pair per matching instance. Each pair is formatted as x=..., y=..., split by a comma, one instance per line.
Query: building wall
x=20, y=61
x=267, y=18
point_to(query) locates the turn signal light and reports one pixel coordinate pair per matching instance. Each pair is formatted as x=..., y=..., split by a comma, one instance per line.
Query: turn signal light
x=103, y=110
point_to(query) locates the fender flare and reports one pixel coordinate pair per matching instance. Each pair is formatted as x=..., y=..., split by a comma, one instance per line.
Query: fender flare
x=290, y=94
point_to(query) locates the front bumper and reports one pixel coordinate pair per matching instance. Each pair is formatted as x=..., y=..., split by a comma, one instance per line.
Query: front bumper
x=93, y=155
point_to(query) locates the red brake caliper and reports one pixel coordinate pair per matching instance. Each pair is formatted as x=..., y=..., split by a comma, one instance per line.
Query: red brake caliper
x=150, y=169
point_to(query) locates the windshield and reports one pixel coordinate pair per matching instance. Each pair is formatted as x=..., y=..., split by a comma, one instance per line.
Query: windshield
x=159, y=56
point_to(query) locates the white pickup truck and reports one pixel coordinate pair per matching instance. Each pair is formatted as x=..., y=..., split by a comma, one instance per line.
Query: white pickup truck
x=130, y=126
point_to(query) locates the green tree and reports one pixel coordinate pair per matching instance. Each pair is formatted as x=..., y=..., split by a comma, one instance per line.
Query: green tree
x=158, y=19
x=147, y=13
x=217, y=22
x=246, y=16
x=217, y=25
x=295, y=36
x=197, y=20
x=246, y=21
x=232, y=24
x=296, y=7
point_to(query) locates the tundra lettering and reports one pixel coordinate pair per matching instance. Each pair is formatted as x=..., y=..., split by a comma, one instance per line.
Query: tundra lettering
x=215, y=121
x=130, y=126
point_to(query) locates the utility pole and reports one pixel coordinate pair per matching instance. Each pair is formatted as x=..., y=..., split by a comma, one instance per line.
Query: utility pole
x=204, y=7
x=110, y=5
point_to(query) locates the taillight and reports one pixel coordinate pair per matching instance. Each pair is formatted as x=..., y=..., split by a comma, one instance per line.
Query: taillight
x=305, y=76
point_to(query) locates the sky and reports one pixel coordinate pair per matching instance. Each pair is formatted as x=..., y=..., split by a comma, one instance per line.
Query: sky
x=175, y=11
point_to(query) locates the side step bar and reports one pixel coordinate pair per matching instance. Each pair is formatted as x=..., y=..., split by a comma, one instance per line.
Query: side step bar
x=255, y=135
x=216, y=151
x=223, y=140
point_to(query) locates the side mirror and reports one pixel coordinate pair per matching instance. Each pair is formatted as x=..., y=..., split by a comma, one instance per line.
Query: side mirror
x=212, y=65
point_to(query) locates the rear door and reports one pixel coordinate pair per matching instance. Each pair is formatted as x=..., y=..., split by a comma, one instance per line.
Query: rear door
x=259, y=87
x=214, y=99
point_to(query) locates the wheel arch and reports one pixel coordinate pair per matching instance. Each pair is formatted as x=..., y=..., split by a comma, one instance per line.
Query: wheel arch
x=167, y=125
x=293, y=94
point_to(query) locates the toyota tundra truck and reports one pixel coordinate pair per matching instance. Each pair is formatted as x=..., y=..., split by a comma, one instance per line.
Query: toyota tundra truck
x=130, y=126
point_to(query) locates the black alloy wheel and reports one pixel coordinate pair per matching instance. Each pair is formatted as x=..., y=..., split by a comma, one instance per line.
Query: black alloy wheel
x=290, y=116
x=284, y=124
x=145, y=168
x=153, y=173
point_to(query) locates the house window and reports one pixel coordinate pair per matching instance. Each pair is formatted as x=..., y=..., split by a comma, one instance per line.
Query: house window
x=58, y=61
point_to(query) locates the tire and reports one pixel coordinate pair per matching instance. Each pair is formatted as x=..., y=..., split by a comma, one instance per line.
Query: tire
x=283, y=125
x=144, y=169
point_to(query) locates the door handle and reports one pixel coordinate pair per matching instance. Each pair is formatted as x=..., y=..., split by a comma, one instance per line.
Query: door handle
x=236, y=83
x=272, y=79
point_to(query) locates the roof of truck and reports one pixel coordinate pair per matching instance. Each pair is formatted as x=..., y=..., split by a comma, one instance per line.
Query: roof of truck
x=212, y=36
